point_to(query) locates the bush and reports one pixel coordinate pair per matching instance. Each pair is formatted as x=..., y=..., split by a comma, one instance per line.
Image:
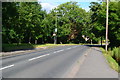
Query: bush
x=116, y=54
x=14, y=47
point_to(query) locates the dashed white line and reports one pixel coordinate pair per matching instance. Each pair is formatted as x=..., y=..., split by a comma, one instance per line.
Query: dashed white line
x=38, y=57
x=69, y=48
x=44, y=55
x=55, y=52
x=7, y=67
x=49, y=54
x=59, y=51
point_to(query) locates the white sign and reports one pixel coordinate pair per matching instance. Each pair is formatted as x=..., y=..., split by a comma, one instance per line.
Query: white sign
x=55, y=29
x=54, y=34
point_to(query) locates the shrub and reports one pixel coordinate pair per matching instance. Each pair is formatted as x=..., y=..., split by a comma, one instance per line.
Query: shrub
x=116, y=54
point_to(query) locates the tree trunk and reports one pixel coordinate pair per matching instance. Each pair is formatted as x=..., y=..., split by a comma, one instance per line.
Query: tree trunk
x=30, y=40
x=91, y=41
x=101, y=41
x=35, y=41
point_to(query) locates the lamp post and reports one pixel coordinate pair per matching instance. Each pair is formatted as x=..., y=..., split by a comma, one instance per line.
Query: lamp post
x=55, y=32
x=106, y=42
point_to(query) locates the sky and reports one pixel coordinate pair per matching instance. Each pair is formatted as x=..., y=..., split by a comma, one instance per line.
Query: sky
x=51, y=4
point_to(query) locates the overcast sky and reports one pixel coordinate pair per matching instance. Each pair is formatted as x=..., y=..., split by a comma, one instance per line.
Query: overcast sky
x=51, y=4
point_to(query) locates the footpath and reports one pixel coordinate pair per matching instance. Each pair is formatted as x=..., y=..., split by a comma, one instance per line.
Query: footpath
x=95, y=66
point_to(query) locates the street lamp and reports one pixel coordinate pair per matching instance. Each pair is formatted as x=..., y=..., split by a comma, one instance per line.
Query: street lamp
x=55, y=32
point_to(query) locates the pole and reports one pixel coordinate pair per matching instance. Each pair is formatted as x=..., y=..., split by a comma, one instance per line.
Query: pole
x=55, y=40
x=106, y=44
x=55, y=32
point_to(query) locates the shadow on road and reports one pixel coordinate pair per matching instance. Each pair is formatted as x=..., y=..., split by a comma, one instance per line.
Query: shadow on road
x=95, y=47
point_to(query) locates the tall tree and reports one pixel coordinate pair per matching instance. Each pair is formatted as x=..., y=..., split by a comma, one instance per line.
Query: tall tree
x=9, y=16
x=99, y=17
x=70, y=20
x=22, y=22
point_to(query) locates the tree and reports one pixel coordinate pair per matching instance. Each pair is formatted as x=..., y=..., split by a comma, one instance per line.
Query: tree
x=24, y=24
x=9, y=16
x=70, y=21
x=98, y=19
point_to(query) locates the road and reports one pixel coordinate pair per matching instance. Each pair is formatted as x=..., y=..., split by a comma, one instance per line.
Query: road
x=48, y=63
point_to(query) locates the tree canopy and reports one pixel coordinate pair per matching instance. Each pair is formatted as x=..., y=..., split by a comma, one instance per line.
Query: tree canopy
x=26, y=22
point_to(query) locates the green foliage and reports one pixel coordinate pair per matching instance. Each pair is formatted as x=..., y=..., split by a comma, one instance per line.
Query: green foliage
x=26, y=22
x=98, y=18
x=112, y=62
x=22, y=21
x=13, y=47
x=116, y=54
x=70, y=20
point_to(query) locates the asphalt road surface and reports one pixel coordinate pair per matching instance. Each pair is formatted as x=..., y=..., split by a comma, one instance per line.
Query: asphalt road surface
x=48, y=63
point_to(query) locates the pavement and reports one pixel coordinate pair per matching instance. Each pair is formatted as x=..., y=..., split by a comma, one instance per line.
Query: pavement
x=96, y=66
x=73, y=61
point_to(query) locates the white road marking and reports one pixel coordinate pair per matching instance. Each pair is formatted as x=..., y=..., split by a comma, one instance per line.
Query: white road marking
x=44, y=55
x=38, y=57
x=55, y=52
x=69, y=48
x=49, y=54
x=7, y=67
x=60, y=50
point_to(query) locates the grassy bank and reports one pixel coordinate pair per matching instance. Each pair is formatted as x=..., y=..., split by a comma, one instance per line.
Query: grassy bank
x=113, y=58
x=14, y=47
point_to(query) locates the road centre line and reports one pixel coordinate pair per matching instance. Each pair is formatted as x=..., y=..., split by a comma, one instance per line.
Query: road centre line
x=7, y=67
x=59, y=51
x=48, y=54
x=38, y=57
x=69, y=48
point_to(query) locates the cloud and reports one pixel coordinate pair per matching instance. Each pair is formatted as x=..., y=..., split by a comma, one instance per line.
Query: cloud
x=87, y=9
x=47, y=6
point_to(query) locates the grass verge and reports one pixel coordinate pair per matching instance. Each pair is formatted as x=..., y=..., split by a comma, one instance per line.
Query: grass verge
x=111, y=61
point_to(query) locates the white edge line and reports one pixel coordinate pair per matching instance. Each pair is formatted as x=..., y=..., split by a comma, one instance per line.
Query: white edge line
x=7, y=67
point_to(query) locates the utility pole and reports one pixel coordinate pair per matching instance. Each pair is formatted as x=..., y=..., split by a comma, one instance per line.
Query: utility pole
x=106, y=44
